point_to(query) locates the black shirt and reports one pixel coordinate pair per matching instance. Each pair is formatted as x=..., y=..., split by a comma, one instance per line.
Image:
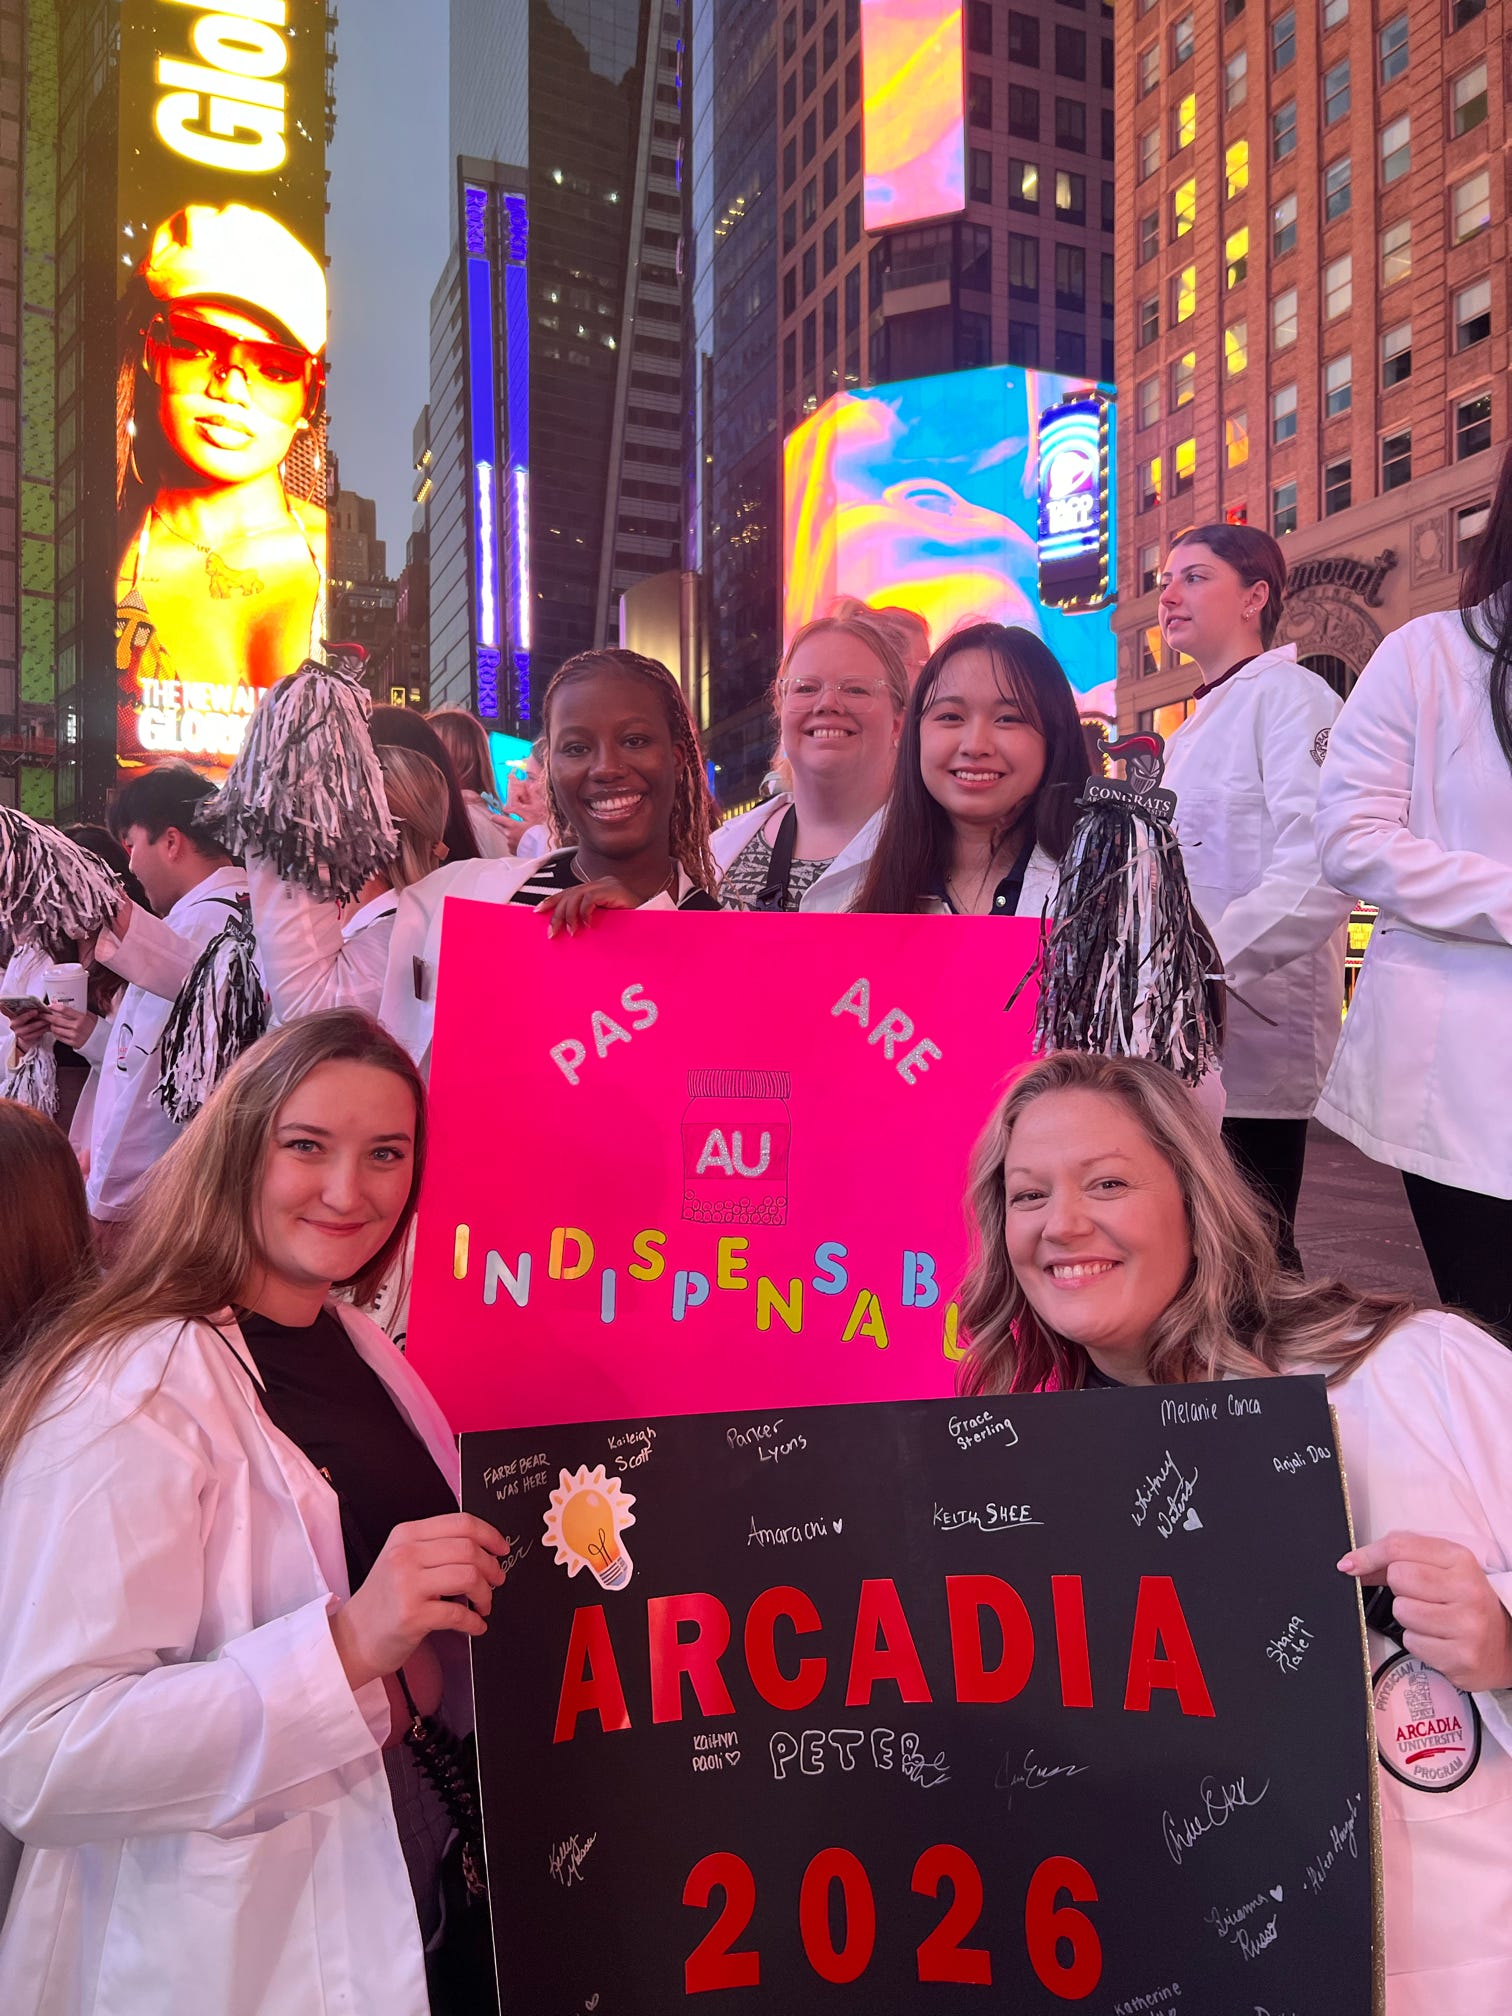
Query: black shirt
x=322, y=1394
x=554, y=872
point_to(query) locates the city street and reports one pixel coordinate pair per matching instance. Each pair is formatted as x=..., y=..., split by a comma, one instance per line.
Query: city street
x=1354, y=1220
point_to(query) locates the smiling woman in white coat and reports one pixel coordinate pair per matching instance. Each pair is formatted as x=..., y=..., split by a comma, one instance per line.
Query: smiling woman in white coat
x=1415, y=815
x=230, y=1554
x=1244, y=766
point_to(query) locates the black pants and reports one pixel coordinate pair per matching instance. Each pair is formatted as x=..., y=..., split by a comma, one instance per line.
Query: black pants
x=1269, y=1155
x=1468, y=1241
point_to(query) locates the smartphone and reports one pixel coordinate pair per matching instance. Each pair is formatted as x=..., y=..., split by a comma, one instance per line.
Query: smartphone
x=21, y=1004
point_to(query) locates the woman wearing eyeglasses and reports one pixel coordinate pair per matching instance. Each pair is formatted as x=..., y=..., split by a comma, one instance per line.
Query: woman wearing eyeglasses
x=839, y=700
x=222, y=570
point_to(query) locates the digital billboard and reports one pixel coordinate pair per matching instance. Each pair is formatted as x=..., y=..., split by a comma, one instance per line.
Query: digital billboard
x=220, y=379
x=913, y=91
x=926, y=495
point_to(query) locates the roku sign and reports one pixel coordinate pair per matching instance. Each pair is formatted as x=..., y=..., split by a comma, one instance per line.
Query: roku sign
x=228, y=109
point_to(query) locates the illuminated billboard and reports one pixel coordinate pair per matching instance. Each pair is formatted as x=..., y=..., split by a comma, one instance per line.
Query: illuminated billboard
x=222, y=313
x=926, y=495
x=913, y=97
x=1073, y=504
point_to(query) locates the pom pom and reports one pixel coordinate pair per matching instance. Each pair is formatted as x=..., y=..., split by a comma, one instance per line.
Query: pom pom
x=53, y=892
x=306, y=792
x=34, y=1081
x=221, y=1011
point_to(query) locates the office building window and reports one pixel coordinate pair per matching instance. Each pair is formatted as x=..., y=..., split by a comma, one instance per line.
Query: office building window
x=853, y=224
x=1071, y=53
x=1337, y=486
x=1184, y=381
x=1023, y=267
x=1148, y=483
x=1023, y=185
x=1183, y=40
x=1071, y=125
x=1396, y=149
x=979, y=27
x=830, y=177
x=981, y=175
x=1023, y=345
x=1469, y=523
x=1284, y=414
x=1023, y=112
x=1185, y=466
x=790, y=290
x=1109, y=206
x=1393, y=41
x=1335, y=14
x=1148, y=568
x=1236, y=255
x=1149, y=153
x=1148, y=321
x=1469, y=101
x=1472, y=426
x=1183, y=208
x=1284, y=319
x=1236, y=168
x=1070, y=196
x=1472, y=314
x=979, y=101
x=1184, y=122
x=1396, y=459
x=1023, y=39
x=1470, y=206
x=1465, y=10
x=1147, y=402
x=1232, y=9
x=1336, y=93
x=1396, y=252
x=1396, y=355
x=1236, y=81
x=1283, y=509
x=1149, y=236
x=1236, y=348
x=1337, y=194
x=1284, y=130
x=1338, y=287
x=1184, y=294
x=1284, y=227
x=1236, y=440
x=1284, y=40
x=790, y=227
x=1147, y=69
x=810, y=272
x=1338, y=386
x=1071, y=351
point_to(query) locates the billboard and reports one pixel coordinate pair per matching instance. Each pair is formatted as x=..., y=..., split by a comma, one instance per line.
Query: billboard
x=220, y=381
x=913, y=110
x=926, y=495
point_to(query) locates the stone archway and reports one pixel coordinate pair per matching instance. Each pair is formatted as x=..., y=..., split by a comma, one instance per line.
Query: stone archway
x=1331, y=631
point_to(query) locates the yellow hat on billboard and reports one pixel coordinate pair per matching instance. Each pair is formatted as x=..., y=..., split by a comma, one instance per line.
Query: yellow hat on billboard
x=241, y=256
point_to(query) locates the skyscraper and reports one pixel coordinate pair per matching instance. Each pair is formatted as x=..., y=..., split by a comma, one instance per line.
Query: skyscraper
x=1312, y=246
x=558, y=322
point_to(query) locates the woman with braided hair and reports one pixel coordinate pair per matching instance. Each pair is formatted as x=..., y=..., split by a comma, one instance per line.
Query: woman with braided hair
x=629, y=810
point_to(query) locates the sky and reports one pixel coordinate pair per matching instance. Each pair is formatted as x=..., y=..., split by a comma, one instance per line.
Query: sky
x=387, y=238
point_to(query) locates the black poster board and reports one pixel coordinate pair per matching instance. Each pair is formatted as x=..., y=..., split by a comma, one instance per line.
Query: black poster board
x=950, y=1706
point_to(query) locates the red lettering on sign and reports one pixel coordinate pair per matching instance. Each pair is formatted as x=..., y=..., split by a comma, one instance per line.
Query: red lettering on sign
x=1071, y=1641
x=590, y=1678
x=883, y=1649
x=768, y=1678
x=697, y=1657
x=967, y=1597
x=1159, y=1619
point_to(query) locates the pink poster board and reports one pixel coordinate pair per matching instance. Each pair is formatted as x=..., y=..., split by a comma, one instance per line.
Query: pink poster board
x=688, y=1163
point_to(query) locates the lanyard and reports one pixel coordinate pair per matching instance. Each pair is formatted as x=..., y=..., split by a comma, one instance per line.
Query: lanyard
x=773, y=893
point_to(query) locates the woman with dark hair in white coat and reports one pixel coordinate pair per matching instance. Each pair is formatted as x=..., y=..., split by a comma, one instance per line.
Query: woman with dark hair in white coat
x=1415, y=816
x=839, y=699
x=1245, y=766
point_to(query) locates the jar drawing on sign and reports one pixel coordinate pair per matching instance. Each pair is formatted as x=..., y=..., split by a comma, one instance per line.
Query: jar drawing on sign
x=735, y=1133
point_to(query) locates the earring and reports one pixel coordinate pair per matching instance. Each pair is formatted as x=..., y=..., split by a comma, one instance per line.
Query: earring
x=301, y=426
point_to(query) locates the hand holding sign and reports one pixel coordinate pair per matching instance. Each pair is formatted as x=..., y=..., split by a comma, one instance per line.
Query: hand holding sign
x=1451, y=1617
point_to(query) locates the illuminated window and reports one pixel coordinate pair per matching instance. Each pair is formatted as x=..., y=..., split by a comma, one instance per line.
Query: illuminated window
x=1338, y=287
x=1236, y=255
x=1336, y=93
x=1284, y=130
x=1236, y=81
x=1469, y=100
x=1396, y=355
x=1070, y=196
x=1284, y=40
x=1337, y=189
x=1284, y=226
x=1393, y=40
x=1236, y=168
x=1183, y=208
x=1149, y=236
x=1284, y=414
x=1147, y=402
x=1472, y=315
x=1396, y=460
x=1470, y=205
x=1338, y=386
x=1472, y=426
x=1184, y=381
x=1184, y=294
x=1184, y=123
x=1284, y=319
x=1149, y=321
x=1148, y=64
x=1236, y=440
x=1023, y=185
x=1338, y=487
x=1284, y=509
x=1396, y=252
x=1396, y=149
x=1183, y=40
x=1149, y=153
x=1186, y=466
x=1235, y=348
x=1149, y=484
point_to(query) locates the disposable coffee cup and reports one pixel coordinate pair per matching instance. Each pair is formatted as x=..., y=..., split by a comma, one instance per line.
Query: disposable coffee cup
x=67, y=986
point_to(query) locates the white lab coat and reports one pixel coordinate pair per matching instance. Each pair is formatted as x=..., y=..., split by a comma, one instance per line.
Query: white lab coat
x=839, y=885
x=130, y=1130
x=25, y=974
x=1245, y=769
x=309, y=958
x=201, y=1796
x=1415, y=815
x=491, y=832
x=1424, y=1428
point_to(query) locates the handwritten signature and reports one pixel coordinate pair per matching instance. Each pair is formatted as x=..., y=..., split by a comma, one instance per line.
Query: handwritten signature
x=1031, y=1776
x=1220, y=1802
x=568, y=1857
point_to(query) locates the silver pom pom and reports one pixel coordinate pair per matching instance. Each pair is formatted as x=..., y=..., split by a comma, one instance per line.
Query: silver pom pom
x=52, y=891
x=34, y=1081
x=221, y=1011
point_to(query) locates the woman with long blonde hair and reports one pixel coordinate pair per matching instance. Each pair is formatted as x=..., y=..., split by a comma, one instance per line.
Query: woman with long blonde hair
x=1115, y=1243
x=230, y=1567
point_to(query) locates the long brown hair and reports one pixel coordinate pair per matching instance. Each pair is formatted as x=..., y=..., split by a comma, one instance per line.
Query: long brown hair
x=45, y=1254
x=1237, y=1315
x=693, y=814
x=191, y=1247
x=418, y=805
x=467, y=745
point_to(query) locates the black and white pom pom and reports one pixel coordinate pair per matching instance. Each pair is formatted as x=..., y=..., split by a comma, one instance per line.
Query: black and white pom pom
x=34, y=1081
x=221, y=1010
x=52, y=891
x=1126, y=969
x=306, y=792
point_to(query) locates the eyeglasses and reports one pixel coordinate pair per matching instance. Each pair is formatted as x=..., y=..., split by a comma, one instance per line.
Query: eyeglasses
x=267, y=366
x=805, y=692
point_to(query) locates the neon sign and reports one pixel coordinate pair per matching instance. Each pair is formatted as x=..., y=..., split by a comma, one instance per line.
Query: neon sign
x=1073, y=504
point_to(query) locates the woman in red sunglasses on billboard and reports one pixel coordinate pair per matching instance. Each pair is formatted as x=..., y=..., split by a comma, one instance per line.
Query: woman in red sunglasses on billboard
x=223, y=560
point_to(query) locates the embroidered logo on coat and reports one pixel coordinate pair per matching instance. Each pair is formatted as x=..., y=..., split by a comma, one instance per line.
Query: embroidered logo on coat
x=1320, y=747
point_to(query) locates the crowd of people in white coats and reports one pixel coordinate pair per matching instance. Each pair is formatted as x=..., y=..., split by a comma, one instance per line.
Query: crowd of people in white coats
x=230, y=1549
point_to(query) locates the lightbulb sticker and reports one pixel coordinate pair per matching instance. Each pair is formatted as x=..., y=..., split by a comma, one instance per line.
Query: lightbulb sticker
x=588, y=1514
